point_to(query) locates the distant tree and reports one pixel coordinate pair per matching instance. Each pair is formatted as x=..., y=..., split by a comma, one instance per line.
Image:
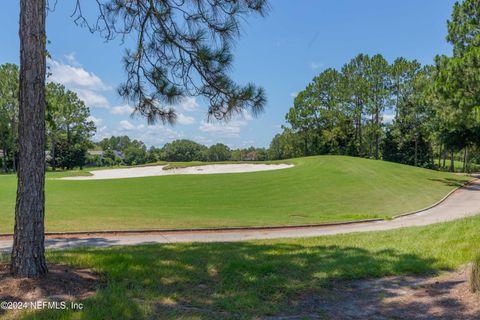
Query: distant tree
x=262, y=154
x=457, y=84
x=219, y=152
x=135, y=153
x=153, y=154
x=118, y=143
x=409, y=132
x=377, y=74
x=319, y=116
x=284, y=146
x=236, y=155
x=403, y=73
x=357, y=92
x=184, y=150
x=463, y=27
x=69, y=127
x=109, y=157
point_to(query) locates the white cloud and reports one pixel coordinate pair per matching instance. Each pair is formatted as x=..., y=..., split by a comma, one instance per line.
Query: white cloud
x=72, y=59
x=91, y=98
x=230, y=129
x=75, y=77
x=188, y=103
x=248, y=143
x=101, y=131
x=203, y=140
x=126, y=125
x=246, y=116
x=123, y=109
x=293, y=94
x=185, y=120
x=96, y=121
x=315, y=65
x=156, y=135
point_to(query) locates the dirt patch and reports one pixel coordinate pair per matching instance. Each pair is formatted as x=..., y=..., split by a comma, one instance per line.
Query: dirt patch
x=62, y=283
x=443, y=297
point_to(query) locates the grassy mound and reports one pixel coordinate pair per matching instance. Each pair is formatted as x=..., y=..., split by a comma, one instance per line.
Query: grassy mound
x=317, y=189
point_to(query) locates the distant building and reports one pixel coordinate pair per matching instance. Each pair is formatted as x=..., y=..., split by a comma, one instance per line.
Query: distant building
x=248, y=156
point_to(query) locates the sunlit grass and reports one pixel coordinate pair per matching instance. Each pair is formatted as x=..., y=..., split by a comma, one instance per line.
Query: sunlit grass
x=317, y=189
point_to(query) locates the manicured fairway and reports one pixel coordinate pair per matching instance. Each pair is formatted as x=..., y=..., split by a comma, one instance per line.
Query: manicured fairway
x=317, y=189
x=254, y=280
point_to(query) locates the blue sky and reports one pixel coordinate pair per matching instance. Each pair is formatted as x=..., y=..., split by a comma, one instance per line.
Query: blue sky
x=282, y=53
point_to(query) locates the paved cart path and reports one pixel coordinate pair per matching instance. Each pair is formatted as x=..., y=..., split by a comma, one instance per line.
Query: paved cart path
x=462, y=203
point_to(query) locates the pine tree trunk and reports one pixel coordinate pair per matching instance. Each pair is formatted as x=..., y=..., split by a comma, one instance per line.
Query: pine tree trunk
x=465, y=159
x=440, y=156
x=360, y=136
x=28, y=259
x=452, y=162
x=54, y=163
x=4, y=158
x=444, y=158
x=415, y=161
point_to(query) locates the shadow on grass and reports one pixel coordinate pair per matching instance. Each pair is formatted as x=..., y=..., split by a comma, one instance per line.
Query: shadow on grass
x=451, y=182
x=397, y=297
x=441, y=305
x=221, y=280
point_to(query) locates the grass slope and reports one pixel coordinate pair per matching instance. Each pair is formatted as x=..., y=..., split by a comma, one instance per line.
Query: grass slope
x=317, y=189
x=251, y=280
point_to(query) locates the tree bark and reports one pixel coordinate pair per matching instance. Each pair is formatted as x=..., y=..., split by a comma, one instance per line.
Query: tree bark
x=440, y=156
x=28, y=259
x=452, y=162
x=444, y=158
x=4, y=157
x=465, y=159
x=54, y=164
x=415, y=161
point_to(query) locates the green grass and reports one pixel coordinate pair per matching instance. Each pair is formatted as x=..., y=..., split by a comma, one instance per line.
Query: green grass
x=317, y=189
x=458, y=166
x=176, y=165
x=250, y=280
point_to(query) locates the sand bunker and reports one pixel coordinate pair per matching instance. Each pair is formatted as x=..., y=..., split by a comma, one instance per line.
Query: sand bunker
x=159, y=171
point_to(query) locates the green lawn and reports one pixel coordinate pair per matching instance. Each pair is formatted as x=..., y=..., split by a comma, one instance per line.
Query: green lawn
x=458, y=166
x=317, y=189
x=250, y=280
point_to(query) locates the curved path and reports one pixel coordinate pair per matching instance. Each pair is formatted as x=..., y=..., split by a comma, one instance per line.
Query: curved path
x=460, y=204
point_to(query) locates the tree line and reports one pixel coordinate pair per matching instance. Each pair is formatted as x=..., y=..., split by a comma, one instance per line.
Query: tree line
x=68, y=128
x=121, y=150
x=402, y=111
